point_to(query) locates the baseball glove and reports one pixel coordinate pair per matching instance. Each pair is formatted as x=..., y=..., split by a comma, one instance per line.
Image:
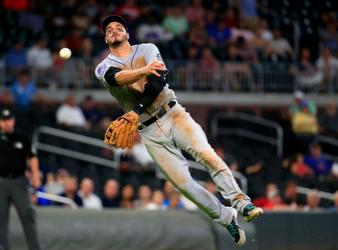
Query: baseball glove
x=122, y=132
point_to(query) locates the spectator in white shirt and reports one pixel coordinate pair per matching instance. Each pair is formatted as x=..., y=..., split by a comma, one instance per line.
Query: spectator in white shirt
x=39, y=56
x=70, y=115
x=140, y=153
x=86, y=192
x=328, y=66
x=279, y=48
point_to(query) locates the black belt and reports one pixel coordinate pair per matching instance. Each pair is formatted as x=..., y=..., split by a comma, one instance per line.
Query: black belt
x=162, y=111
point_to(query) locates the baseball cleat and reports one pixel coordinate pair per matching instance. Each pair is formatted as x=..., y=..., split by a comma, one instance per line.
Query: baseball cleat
x=236, y=232
x=251, y=212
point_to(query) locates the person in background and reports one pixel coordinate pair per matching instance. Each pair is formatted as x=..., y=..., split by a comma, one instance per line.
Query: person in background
x=320, y=165
x=39, y=56
x=70, y=115
x=279, y=48
x=6, y=99
x=299, y=168
x=140, y=155
x=304, y=126
x=328, y=120
x=168, y=189
x=55, y=183
x=23, y=90
x=211, y=187
x=40, y=60
x=128, y=197
x=144, y=197
x=304, y=122
x=70, y=190
x=16, y=56
x=91, y=111
x=15, y=152
x=111, y=198
x=307, y=75
x=334, y=208
x=86, y=192
x=313, y=201
x=328, y=65
x=175, y=201
x=298, y=98
x=35, y=199
x=273, y=199
x=156, y=201
x=291, y=196
x=175, y=22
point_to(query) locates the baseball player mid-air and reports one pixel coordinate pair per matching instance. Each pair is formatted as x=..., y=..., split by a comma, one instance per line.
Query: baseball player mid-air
x=136, y=77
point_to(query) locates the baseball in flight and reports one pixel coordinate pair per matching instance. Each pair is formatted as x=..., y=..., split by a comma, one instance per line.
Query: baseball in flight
x=65, y=53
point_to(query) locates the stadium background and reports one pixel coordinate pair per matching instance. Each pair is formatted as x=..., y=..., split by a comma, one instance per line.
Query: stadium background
x=261, y=77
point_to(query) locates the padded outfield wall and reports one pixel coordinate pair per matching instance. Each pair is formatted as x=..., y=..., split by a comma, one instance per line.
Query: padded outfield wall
x=174, y=230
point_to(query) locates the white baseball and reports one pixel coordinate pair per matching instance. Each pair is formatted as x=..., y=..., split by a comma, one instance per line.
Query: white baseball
x=65, y=53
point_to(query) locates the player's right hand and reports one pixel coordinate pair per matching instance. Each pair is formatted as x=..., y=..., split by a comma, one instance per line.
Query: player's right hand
x=155, y=65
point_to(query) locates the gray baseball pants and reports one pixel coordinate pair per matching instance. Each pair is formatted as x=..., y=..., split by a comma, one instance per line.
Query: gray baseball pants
x=164, y=140
x=15, y=191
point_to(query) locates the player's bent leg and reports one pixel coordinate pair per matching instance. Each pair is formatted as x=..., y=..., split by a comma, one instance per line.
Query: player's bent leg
x=190, y=137
x=227, y=184
x=225, y=216
x=175, y=167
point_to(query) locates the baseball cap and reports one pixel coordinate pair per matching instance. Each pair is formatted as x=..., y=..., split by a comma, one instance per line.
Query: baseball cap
x=298, y=94
x=6, y=114
x=113, y=18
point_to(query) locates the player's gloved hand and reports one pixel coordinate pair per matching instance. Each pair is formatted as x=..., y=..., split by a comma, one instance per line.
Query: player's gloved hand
x=122, y=132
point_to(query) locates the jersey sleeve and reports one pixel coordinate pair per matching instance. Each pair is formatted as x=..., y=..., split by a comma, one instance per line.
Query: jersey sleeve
x=30, y=148
x=101, y=70
x=151, y=53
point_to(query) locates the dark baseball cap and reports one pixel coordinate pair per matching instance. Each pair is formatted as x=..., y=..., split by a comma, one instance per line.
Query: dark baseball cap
x=6, y=114
x=113, y=18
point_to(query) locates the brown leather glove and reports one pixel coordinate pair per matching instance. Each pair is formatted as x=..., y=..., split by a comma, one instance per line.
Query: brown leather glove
x=122, y=132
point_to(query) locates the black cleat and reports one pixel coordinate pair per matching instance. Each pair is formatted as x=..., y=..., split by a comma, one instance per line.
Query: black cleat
x=236, y=232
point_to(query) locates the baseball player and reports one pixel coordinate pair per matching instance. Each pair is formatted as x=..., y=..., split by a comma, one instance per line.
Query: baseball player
x=136, y=77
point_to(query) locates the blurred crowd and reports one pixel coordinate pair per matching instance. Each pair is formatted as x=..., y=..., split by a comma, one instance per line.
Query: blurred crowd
x=215, y=41
x=272, y=181
x=303, y=162
x=86, y=195
x=244, y=33
x=112, y=195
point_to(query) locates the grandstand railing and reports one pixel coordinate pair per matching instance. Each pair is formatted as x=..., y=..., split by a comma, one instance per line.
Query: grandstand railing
x=277, y=140
x=112, y=163
x=192, y=75
x=57, y=198
x=321, y=194
x=333, y=143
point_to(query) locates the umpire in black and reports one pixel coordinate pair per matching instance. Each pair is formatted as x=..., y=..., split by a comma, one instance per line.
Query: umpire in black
x=16, y=154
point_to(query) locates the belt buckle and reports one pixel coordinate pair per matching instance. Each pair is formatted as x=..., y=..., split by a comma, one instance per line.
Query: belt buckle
x=160, y=113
